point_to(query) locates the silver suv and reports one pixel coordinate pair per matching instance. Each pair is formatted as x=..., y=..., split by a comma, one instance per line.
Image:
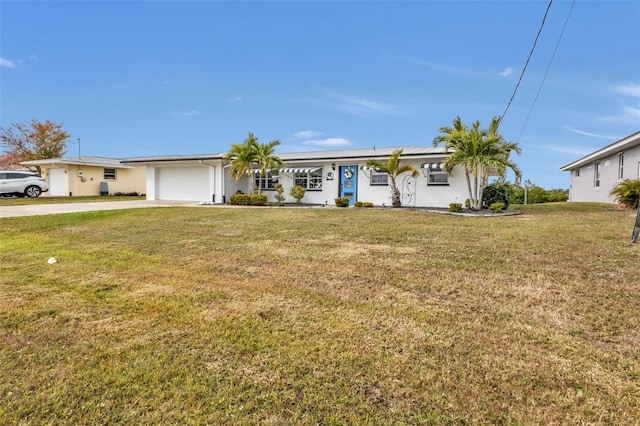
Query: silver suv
x=21, y=184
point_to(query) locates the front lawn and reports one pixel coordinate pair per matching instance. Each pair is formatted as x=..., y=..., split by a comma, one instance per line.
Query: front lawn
x=320, y=316
x=16, y=201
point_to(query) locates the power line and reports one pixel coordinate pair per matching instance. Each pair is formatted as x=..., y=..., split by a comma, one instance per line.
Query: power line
x=566, y=21
x=544, y=18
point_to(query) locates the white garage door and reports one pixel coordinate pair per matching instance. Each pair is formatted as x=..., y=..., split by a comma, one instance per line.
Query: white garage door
x=183, y=183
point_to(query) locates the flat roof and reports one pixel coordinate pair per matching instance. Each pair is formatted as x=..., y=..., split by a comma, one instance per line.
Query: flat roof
x=407, y=151
x=85, y=160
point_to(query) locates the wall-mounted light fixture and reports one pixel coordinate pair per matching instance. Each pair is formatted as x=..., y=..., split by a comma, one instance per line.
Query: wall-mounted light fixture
x=333, y=166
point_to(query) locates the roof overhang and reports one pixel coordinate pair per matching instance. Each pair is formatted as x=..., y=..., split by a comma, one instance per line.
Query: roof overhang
x=169, y=158
x=78, y=162
x=618, y=146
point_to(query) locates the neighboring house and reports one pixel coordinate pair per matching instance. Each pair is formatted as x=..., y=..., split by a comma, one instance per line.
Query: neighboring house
x=324, y=174
x=594, y=175
x=86, y=175
x=8, y=165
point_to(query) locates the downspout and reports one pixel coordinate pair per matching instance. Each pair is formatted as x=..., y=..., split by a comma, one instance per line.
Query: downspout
x=213, y=196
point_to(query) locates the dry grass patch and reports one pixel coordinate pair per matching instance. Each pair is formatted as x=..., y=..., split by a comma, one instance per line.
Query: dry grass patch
x=320, y=316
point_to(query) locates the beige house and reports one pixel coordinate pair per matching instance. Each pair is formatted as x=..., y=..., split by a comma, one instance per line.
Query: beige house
x=87, y=175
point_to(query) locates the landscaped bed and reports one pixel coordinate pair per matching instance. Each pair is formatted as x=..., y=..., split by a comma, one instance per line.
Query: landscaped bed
x=320, y=316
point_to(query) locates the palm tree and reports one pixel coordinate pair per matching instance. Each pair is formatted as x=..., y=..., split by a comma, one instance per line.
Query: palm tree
x=266, y=159
x=242, y=157
x=627, y=192
x=250, y=157
x=393, y=169
x=479, y=152
x=493, y=155
x=456, y=139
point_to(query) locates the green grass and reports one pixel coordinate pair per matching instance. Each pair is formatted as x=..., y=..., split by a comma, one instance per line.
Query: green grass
x=15, y=201
x=320, y=316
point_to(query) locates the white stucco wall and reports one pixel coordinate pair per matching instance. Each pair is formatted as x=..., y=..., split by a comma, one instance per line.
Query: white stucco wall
x=222, y=185
x=583, y=187
x=424, y=195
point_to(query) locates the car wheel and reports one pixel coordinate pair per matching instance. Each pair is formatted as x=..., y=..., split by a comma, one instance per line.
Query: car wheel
x=32, y=191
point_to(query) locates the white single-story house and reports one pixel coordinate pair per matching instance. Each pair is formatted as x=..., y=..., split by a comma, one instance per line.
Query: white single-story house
x=325, y=175
x=88, y=175
x=594, y=175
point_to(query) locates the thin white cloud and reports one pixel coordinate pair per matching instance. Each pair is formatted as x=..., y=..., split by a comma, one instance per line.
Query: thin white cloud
x=236, y=99
x=436, y=66
x=572, y=150
x=630, y=89
x=328, y=142
x=305, y=134
x=191, y=113
x=507, y=72
x=594, y=135
x=359, y=106
x=628, y=115
x=7, y=63
x=362, y=105
x=33, y=57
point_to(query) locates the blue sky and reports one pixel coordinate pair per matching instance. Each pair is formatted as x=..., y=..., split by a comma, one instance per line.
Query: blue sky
x=137, y=78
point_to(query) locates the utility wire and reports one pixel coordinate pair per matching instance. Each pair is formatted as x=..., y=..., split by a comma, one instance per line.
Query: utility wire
x=547, y=71
x=527, y=62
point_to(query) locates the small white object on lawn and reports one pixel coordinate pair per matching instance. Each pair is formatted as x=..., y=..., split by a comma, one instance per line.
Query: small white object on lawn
x=52, y=260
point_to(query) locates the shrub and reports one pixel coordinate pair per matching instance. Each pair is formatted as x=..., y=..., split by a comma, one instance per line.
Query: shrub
x=497, y=207
x=455, y=207
x=279, y=193
x=297, y=192
x=467, y=203
x=342, y=202
x=127, y=194
x=557, y=195
x=497, y=193
x=363, y=204
x=240, y=200
x=537, y=195
x=258, y=199
x=627, y=193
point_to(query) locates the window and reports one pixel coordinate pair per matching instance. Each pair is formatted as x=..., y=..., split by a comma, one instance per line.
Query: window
x=437, y=175
x=379, y=178
x=109, y=174
x=311, y=181
x=577, y=172
x=621, y=165
x=267, y=181
x=18, y=175
x=596, y=174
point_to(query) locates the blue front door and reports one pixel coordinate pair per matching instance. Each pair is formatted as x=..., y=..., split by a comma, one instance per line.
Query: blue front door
x=349, y=183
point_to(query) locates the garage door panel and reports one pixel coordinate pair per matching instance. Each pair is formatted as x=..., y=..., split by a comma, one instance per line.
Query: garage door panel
x=57, y=182
x=183, y=183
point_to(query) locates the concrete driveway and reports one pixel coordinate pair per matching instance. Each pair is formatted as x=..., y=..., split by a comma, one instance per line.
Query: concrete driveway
x=43, y=209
